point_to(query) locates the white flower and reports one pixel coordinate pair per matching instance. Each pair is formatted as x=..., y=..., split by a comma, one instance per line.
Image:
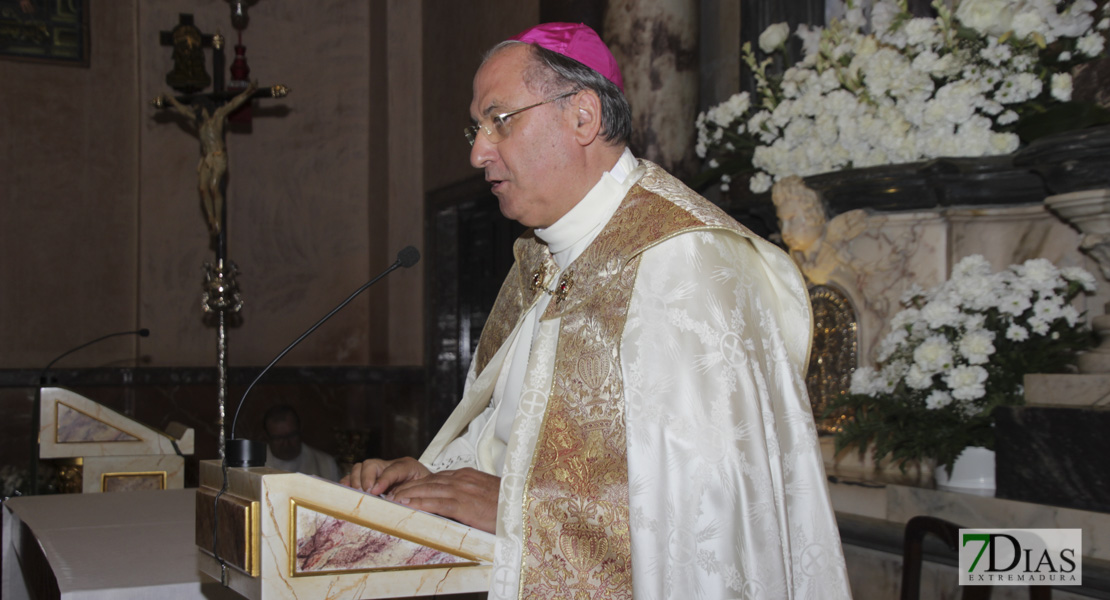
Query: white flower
x=1080, y=276
x=854, y=18
x=1027, y=23
x=905, y=317
x=1007, y=117
x=1014, y=303
x=863, y=381
x=1019, y=88
x=972, y=265
x=977, y=346
x=907, y=90
x=1038, y=325
x=1070, y=315
x=918, y=379
x=891, y=374
x=1016, y=333
x=941, y=314
x=938, y=399
x=760, y=182
x=1005, y=143
x=923, y=32
x=967, y=383
x=1049, y=309
x=991, y=17
x=1090, y=45
x=891, y=342
x=934, y=354
x=1061, y=86
x=773, y=37
x=1040, y=273
x=975, y=322
x=997, y=53
x=811, y=39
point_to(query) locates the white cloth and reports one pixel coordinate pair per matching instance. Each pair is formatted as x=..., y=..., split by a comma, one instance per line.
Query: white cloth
x=111, y=546
x=727, y=491
x=310, y=462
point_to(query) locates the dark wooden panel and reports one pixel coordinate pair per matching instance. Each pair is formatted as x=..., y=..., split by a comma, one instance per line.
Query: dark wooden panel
x=236, y=532
x=470, y=250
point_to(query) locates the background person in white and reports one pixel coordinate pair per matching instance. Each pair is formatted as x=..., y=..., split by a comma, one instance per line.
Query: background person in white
x=286, y=451
x=635, y=423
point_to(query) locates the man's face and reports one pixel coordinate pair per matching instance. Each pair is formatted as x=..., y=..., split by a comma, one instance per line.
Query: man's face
x=530, y=169
x=285, y=438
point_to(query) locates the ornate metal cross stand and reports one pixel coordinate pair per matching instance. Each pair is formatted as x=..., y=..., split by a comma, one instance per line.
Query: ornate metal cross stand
x=210, y=113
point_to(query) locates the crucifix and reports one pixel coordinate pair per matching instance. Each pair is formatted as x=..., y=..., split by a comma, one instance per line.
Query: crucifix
x=208, y=114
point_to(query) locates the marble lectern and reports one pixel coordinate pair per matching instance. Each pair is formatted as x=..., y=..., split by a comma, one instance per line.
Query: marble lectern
x=289, y=536
x=108, y=451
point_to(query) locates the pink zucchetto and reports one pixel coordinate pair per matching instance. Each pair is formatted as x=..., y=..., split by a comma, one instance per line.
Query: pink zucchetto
x=576, y=41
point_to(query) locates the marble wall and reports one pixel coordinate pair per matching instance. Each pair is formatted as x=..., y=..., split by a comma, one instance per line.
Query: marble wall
x=888, y=252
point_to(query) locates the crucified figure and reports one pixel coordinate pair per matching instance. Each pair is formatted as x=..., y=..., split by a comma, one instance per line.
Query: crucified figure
x=213, y=160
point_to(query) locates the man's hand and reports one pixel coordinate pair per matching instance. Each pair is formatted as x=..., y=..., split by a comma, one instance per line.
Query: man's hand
x=467, y=495
x=378, y=476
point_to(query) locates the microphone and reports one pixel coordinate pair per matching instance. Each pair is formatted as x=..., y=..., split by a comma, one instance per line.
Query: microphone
x=35, y=418
x=144, y=332
x=247, y=453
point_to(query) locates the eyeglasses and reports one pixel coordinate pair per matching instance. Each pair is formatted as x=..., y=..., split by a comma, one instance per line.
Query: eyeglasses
x=501, y=128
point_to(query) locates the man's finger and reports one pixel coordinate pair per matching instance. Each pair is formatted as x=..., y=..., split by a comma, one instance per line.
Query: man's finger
x=365, y=474
x=397, y=472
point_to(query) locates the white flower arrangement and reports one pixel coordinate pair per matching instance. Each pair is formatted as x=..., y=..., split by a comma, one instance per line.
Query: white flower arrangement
x=958, y=84
x=960, y=350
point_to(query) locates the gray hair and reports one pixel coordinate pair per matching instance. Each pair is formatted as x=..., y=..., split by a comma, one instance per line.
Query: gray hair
x=552, y=73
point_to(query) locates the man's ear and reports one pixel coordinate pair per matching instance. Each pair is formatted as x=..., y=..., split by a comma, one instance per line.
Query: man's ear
x=586, y=113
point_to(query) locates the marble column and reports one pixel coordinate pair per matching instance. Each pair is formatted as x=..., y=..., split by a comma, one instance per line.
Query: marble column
x=656, y=44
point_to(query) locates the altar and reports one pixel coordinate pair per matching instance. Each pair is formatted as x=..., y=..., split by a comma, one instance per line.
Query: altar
x=132, y=545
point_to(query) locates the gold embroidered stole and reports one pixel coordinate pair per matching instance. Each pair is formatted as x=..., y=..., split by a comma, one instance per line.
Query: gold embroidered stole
x=576, y=535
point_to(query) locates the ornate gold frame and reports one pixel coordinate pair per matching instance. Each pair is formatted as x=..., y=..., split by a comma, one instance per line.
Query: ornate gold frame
x=294, y=504
x=105, y=476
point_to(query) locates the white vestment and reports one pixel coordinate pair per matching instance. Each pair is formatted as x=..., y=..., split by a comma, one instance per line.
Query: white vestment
x=727, y=495
x=310, y=462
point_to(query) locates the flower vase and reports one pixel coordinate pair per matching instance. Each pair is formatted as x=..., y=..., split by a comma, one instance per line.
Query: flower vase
x=972, y=473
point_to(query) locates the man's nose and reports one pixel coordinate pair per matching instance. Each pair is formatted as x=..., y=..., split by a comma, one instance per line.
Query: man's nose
x=483, y=151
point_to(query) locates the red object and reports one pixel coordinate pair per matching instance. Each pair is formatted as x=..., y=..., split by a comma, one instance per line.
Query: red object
x=240, y=79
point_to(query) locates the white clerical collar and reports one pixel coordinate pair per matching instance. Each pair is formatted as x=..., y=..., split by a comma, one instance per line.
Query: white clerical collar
x=568, y=236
